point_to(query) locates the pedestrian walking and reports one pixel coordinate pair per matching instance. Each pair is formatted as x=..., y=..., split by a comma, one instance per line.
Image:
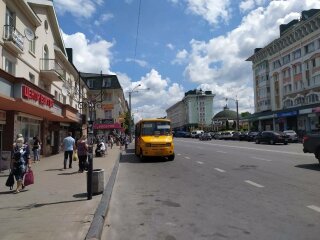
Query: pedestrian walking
x=36, y=149
x=111, y=142
x=82, y=149
x=68, y=146
x=20, y=161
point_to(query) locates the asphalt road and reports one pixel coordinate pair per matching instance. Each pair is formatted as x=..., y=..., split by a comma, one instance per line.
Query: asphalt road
x=217, y=190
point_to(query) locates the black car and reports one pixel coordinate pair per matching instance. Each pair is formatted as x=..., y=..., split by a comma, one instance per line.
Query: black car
x=205, y=136
x=250, y=137
x=271, y=137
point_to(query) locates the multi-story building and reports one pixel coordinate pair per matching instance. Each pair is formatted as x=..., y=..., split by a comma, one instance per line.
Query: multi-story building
x=286, y=77
x=38, y=85
x=109, y=114
x=195, y=110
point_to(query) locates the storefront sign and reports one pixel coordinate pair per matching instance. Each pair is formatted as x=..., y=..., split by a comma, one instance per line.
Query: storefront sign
x=107, y=106
x=107, y=126
x=305, y=111
x=32, y=94
x=316, y=110
x=287, y=114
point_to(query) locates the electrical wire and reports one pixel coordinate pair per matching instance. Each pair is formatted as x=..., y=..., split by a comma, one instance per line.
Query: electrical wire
x=137, y=32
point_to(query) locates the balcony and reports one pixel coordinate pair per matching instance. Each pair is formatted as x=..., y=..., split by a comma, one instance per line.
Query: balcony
x=13, y=39
x=52, y=70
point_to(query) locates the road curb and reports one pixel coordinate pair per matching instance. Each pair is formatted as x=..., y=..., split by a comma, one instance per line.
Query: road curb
x=96, y=227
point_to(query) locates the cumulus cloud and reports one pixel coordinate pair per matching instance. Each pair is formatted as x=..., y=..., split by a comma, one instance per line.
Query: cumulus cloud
x=103, y=18
x=141, y=63
x=170, y=46
x=154, y=95
x=89, y=56
x=211, y=10
x=219, y=64
x=78, y=8
x=247, y=5
x=181, y=57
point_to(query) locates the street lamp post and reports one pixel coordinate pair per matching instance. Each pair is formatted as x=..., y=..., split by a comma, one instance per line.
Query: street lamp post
x=130, y=92
x=130, y=110
x=237, y=106
x=91, y=104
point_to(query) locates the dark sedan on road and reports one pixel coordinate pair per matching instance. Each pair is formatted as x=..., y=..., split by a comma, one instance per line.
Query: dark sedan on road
x=271, y=137
x=250, y=137
x=205, y=136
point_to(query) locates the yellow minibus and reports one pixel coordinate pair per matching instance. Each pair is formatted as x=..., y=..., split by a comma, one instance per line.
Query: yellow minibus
x=153, y=138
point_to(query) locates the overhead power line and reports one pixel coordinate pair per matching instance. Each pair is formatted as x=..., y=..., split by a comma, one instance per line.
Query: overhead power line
x=137, y=32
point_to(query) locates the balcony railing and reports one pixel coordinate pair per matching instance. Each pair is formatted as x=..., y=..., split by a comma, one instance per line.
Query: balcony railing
x=10, y=33
x=47, y=64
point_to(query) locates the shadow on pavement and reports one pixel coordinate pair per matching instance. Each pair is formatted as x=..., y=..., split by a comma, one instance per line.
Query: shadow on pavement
x=7, y=192
x=130, y=151
x=54, y=169
x=134, y=159
x=37, y=205
x=71, y=173
x=312, y=166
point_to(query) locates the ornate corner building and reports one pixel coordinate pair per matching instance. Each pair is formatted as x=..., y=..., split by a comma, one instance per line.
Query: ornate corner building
x=286, y=77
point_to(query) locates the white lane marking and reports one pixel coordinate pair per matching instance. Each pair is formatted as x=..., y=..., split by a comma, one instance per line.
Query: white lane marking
x=254, y=184
x=315, y=208
x=219, y=170
x=199, y=162
x=179, y=154
x=256, y=149
x=221, y=152
x=187, y=157
x=262, y=159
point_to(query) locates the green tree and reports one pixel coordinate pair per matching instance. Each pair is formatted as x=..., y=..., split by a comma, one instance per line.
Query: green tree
x=245, y=114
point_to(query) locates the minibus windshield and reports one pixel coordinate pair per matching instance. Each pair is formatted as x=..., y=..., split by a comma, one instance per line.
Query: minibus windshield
x=155, y=128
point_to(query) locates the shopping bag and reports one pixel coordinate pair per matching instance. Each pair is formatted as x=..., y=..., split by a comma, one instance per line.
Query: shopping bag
x=28, y=178
x=75, y=156
x=10, y=180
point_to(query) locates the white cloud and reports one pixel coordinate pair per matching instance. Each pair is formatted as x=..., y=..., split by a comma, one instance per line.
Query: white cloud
x=170, y=46
x=181, y=57
x=89, y=56
x=220, y=62
x=103, y=18
x=154, y=95
x=211, y=10
x=78, y=8
x=141, y=63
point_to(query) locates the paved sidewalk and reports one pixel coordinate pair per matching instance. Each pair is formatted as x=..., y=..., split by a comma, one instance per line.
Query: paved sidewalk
x=56, y=206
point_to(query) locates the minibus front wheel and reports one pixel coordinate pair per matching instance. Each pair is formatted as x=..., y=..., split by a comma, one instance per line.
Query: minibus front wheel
x=171, y=157
x=141, y=155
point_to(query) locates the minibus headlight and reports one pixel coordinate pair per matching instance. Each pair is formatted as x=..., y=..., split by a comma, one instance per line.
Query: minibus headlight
x=168, y=144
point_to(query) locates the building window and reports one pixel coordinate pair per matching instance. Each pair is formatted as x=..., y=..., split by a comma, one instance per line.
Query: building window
x=32, y=46
x=286, y=59
x=297, y=54
x=46, y=26
x=31, y=78
x=276, y=64
x=9, y=66
x=9, y=23
x=309, y=48
x=299, y=101
x=106, y=83
x=297, y=69
x=315, y=80
x=90, y=83
x=288, y=103
x=108, y=114
x=312, y=98
x=108, y=96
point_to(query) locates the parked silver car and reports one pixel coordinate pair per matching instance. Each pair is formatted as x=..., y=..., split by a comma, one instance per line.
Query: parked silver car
x=292, y=135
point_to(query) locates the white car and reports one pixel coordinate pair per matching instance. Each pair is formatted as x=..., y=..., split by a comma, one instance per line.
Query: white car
x=292, y=135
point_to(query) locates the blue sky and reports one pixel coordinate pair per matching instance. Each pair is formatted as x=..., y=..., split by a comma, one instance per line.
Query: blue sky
x=181, y=45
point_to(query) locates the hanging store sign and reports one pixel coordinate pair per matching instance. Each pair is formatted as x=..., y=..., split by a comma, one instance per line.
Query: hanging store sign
x=287, y=114
x=32, y=94
x=106, y=126
x=316, y=110
x=107, y=106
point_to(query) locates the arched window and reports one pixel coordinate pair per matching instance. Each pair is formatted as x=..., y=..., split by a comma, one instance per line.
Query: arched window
x=288, y=103
x=299, y=101
x=312, y=98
